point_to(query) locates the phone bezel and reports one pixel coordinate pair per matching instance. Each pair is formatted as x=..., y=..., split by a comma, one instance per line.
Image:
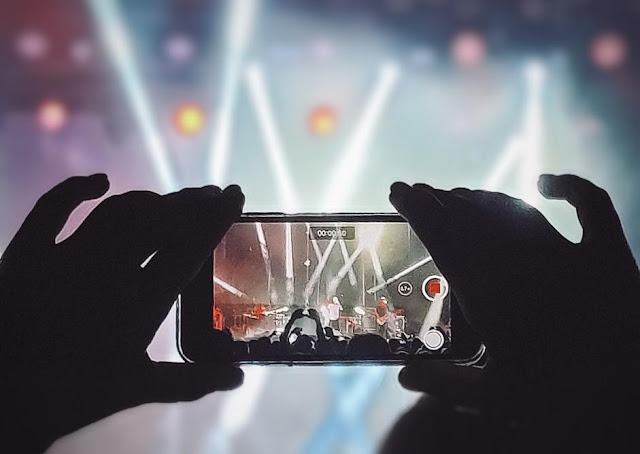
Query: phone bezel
x=194, y=310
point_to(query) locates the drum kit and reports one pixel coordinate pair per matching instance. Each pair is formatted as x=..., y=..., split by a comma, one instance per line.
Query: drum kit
x=266, y=320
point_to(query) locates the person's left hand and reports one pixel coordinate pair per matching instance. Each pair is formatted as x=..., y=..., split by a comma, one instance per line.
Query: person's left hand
x=79, y=315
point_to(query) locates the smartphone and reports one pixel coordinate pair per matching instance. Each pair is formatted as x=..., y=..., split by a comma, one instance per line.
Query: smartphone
x=319, y=289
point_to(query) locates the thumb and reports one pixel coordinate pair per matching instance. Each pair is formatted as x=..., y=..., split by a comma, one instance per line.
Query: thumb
x=463, y=385
x=52, y=210
x=183, y=382
x=596, y=213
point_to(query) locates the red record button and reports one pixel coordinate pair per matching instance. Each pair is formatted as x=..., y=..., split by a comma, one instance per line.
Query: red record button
x=434, y=286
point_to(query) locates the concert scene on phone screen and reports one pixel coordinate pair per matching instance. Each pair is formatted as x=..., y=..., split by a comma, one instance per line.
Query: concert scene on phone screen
x=356, y=290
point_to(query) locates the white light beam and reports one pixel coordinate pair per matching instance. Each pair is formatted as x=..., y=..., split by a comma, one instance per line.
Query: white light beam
x=343, y=181
x=271, y=136
x=392, y=279
x=229, y=288
x=112, y=31
x=238, y=33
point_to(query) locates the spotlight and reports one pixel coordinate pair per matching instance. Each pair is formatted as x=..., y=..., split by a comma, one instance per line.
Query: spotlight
x=112, y=29
x=608, y=51
x=81, y=51
x=52, y=115
x=189, y=119
x=468, y=49
x=322, y=120
x=179, y=48
x=31, y=45
x=322, y=49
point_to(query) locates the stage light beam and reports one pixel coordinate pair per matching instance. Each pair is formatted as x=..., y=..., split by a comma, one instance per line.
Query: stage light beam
x=114, y=35
x=229, y=288
x=289, y=282
x=402, y=273
x=271, y=136
x=534, y=73
x=240, y=25
x=344, y=179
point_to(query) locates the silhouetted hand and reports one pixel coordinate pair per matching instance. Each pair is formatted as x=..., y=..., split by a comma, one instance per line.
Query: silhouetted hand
x=78, y=316
x=541, y=304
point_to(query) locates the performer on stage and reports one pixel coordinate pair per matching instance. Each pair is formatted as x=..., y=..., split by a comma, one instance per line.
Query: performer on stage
x=386, y=319
x=218, y=318
x=334, y=307
x=258, y=311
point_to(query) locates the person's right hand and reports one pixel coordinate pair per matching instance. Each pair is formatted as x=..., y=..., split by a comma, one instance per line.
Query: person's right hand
x=536, y=299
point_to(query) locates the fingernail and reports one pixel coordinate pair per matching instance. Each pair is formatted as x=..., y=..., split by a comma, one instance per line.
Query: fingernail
x=400, y=189
x=234, y=193
x=407, y=378
x=233, y=378
x=399, y=193
x=215, y=189
x=543, y=181
x=100, y=180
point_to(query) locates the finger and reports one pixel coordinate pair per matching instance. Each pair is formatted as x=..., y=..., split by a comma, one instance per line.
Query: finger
x=416, y=205
x=182, y=382
x=202, y=216
x=462, y=385
x=52, y=210
x=121, y=232
x=597, y=215
x=431, y=220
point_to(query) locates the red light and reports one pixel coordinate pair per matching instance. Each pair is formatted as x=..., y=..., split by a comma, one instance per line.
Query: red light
x=52, y=115
x=189, y=119
x=608, y=51
x=434, y=287
x=322, y=120
x=468, y=49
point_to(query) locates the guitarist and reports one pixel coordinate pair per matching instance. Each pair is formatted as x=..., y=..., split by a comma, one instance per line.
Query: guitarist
x=386, y=319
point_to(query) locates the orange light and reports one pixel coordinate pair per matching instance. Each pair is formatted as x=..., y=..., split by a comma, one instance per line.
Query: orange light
x=322, y=120
x=189, y=119
x=52, y=115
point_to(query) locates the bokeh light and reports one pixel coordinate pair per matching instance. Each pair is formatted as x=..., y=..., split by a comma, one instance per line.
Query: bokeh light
x=189, y=119
x=608, y=50
x=468, y=49
x=180, y=48
x=52, y=115
x=31, y=45
x=322, y=120
x=81, y=51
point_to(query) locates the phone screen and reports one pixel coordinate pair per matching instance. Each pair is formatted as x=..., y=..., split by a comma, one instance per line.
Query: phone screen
x=348, y=290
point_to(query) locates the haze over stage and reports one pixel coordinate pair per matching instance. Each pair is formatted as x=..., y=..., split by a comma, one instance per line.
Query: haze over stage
x=311, y=105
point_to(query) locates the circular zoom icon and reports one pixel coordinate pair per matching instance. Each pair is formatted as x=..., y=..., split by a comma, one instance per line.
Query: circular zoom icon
x=405, y=288
x=434, y=339
x=435, y=286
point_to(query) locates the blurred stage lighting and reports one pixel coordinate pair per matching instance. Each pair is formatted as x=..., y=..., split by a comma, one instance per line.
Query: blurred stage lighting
x=322, y=49
x=179, y=48
x=31, y=45
x=52, y=115
x=608, y=50
x=238, y=33
x=468, y=49
x=112, y=29
x=81, y=51
x=271, y=136
x=322, y=120
x=351, y=162
x=189, y=119
x=422, y=56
